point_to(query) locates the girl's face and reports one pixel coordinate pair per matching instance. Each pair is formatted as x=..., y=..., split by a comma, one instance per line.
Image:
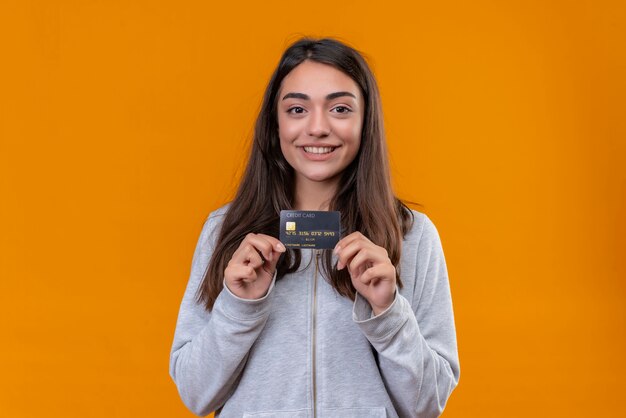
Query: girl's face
x=320, y=117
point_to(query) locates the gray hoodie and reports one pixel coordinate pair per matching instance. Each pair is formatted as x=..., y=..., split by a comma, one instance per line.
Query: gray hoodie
x=304, y=351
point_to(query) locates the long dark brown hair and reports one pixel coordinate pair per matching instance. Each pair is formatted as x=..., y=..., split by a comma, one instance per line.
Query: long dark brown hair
x=364, y=196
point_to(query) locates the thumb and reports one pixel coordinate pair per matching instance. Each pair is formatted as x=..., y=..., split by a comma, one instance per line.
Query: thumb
x=277, y=249
x=272, y=263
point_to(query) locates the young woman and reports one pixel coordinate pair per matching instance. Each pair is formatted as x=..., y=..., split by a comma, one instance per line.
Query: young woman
x=364, y=330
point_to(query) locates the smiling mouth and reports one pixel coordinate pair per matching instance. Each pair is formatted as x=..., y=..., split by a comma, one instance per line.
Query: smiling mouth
x=319, y=150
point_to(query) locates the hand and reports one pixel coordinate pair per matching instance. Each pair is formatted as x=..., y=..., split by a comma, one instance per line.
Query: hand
x=249, y=272
x=370, y=268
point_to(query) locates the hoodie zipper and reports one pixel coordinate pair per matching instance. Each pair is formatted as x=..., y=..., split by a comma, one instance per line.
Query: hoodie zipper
x=313, y=326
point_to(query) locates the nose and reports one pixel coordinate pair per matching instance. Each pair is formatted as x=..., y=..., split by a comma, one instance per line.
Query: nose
x=318, y=125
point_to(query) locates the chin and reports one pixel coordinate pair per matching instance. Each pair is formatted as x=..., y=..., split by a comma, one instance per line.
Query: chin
x=322, y=177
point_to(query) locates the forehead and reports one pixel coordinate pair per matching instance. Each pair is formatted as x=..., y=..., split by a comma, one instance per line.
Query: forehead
x=313, y=77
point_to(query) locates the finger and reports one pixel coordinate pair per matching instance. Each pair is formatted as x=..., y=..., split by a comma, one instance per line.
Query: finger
x=371, y=254
x=276, y=244
x=259, y=244
x=265, y=244
x=269, y=270
x=372, y=274
x=247, y=255
x=344, y=242
x=241, y=252
x=277, y=248
x=270, y=265
x=362, y=260
x=346, y=253
x=239, y=272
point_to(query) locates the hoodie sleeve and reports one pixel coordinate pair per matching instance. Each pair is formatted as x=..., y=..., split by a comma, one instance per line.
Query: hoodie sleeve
x=415, y=337
x=210, y=348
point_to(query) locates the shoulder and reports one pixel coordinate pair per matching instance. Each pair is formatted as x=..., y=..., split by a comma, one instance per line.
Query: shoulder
x=423, y=229
x=212, y=223
x=422, y=256
x=422, y=243
x=216, y=217
x=219, y=212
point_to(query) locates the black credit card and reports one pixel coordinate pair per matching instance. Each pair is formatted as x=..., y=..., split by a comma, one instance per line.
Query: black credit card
x=309, y=229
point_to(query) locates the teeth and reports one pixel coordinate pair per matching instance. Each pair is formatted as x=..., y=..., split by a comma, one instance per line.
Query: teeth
x=318, y=150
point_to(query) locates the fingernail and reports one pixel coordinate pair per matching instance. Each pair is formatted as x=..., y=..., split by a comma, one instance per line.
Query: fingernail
x=280, y=247
x=336, y=250
x=339, y=266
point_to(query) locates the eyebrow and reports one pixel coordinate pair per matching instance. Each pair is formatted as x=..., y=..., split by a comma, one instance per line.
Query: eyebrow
x=328, y=96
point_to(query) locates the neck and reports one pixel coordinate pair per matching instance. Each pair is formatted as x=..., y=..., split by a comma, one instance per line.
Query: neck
x=314, y=195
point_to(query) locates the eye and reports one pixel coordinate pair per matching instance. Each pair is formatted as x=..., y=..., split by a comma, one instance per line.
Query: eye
x=343, y=109
x=299, y=109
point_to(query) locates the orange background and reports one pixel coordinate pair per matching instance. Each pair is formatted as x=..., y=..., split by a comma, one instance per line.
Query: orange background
x=123, y=124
